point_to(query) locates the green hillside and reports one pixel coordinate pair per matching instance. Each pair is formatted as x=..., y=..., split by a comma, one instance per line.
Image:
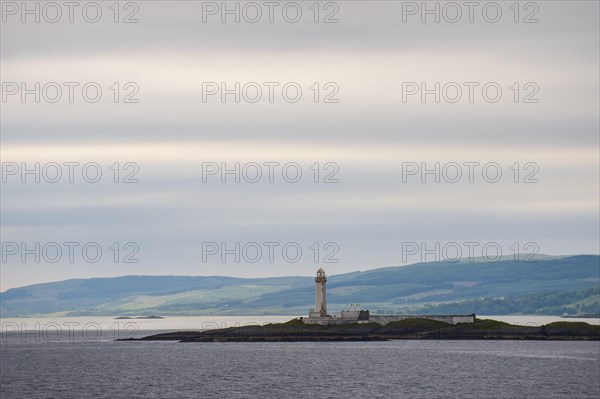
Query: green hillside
x=548, y=286
x=580, y=302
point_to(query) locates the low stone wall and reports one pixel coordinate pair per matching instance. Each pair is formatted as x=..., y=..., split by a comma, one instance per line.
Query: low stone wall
x=452, y=319
x=383, y=320
x=330, y=320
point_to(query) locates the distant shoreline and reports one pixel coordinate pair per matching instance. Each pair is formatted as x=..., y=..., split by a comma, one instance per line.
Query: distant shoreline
x=296, y=331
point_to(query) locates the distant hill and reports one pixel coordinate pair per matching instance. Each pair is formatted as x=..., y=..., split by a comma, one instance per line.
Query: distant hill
x=580, y=302
x=438, y=287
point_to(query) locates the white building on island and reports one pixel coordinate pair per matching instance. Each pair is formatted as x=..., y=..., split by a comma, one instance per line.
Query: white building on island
x=319, y=314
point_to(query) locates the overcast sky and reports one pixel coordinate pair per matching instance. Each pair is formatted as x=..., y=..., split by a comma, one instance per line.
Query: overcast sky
x=365, y=137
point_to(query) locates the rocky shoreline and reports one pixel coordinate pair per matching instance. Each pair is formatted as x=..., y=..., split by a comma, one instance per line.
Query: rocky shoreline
x=296, y=331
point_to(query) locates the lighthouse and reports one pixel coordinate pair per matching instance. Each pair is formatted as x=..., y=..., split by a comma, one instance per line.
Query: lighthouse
x=321, y=294
x=319, y=315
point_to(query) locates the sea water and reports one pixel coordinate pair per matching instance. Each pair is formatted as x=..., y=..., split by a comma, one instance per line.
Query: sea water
x=80, y=366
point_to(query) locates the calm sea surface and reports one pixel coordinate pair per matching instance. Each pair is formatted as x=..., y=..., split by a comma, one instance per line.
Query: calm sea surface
x=46, y=362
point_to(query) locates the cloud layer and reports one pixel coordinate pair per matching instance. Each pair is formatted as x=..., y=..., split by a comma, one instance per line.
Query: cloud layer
x=367, y=140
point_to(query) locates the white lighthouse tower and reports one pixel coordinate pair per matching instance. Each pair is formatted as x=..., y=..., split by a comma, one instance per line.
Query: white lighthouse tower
x=320, y=309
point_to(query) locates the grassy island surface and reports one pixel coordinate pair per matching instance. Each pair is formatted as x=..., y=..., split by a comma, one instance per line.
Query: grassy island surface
x=296, y=331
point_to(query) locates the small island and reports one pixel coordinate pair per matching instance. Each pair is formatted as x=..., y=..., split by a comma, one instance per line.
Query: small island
x=297, y=331
x=138, y=318
x=360, y=325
